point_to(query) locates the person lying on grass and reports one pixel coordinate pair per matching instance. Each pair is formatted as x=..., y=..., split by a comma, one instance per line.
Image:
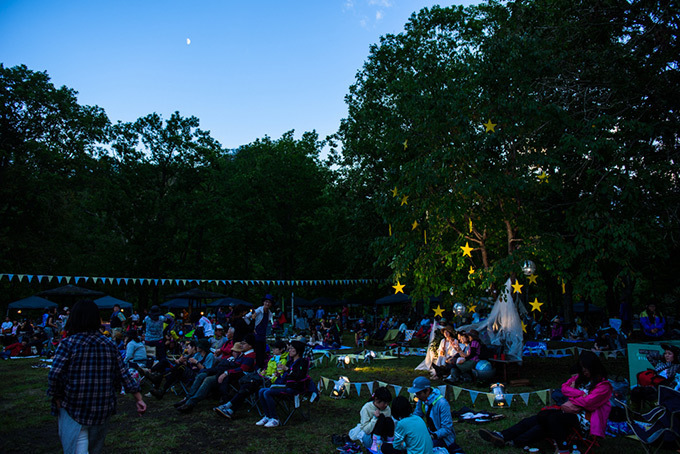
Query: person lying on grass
x=586, y=409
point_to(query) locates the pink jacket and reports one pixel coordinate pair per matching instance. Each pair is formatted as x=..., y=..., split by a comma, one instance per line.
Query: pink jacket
x=595, y=403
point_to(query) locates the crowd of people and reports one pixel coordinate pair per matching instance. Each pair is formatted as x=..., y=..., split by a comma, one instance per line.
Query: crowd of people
x=225, y=357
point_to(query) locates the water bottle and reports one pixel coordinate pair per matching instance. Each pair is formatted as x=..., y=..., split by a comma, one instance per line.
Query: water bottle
x=574, y=450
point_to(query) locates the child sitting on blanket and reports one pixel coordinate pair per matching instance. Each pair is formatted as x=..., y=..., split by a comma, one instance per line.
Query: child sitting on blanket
x=376, y=423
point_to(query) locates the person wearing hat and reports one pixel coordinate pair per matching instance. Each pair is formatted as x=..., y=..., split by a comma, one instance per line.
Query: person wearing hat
x=447, y=352
x=218, y=339
x=153, y=331
x=220, y=376
x=260, y=321
x=667, y=366
x=295, y=378
x=436, y=411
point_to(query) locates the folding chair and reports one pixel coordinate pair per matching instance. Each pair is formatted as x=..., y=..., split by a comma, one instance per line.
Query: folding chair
x=290, y=404
x=660, y=425
x=587, y=443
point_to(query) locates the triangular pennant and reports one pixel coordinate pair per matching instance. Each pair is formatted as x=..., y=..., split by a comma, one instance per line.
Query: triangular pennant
x=325, y=381
x=30, y=277
x=543, y=395
x=456, y=392
x=383, y=384
x=118, y=280
x=20, y=277
x=490, y=396
x=442, y=390
x=59, y=278
x=525, y=398
x=125, y=279
x=369, y=385
x=155, y=281
x=68, y=279
x=320, y=385
x=39, y=276
x=348, y=386
x=473, y=396
x=358, y=387
x=49, y=278
x=508, y=399
x=397, y=389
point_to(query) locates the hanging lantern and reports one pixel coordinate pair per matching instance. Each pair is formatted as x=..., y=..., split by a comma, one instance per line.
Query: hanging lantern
x=499, y=395
x=528, y=268
x=459, y=309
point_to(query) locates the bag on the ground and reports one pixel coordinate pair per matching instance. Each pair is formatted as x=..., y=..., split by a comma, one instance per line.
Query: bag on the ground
x=356, y=433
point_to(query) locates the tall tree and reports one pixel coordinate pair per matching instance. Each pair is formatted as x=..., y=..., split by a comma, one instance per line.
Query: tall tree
x=526, y=130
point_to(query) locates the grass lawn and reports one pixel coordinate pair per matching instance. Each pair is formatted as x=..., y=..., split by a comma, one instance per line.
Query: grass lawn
x=26, y=425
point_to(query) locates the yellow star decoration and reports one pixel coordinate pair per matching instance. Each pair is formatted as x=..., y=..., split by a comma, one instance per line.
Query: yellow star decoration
x=405, y=144
x=414, y=225
x=399, y=288
x=439, y=312
x=532, y=278
x=390, y=227
x=564, y=287
x=466, y=250
x=471, y=270
x=404, y=200
x=490, y=127
x=517, y=287
x=535, y=305
x=470, y=225
x=395, y=192
x=472, y=308
x=543, y=177
x=524, y=327
x=425, y=235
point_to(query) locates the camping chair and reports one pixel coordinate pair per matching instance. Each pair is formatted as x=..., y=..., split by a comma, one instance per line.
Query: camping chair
x=587, y=443
x=290, y=404
x=661, y=424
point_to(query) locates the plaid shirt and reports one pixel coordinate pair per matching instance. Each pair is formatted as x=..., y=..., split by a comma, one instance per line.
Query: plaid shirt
x=86, y=375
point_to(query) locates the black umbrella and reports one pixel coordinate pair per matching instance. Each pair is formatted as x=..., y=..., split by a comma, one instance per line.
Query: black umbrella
x=72, y=291
x=232, y=302
x=197, y=294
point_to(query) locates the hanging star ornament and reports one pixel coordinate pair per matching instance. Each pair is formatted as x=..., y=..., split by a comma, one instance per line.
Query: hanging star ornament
x=466, y=250
x=524, y=327
x=517, y=287
x=472, y=308
x=405, y=144
x=390, y=228
x=439, y=312
x=395, y=192
x=404, y=200
x=490, y=127
x=414, y=225
x=471, y=270
x=399, y=288
x=535, y=305
x=543, y=178
x=532, y=278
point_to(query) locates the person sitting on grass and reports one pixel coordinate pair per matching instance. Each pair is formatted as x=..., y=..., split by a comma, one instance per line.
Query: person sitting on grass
x=373, y=423
x=411, y=435
x=587, y=410
x=295, y=378
x=448, y=352
x=436, y=411
x=16, y=349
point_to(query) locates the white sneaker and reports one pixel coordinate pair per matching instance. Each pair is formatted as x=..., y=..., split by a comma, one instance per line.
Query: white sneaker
x=272, y=423
x=262, y=421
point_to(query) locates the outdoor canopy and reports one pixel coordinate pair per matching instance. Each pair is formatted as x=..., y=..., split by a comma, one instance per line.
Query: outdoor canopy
x=32, y=302
x=71, y=291
x=233, y=302
x=107, y=302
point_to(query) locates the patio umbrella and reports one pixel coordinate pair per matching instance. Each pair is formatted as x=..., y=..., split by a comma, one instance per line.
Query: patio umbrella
x=32, y=302
x=197, y=294
x=397, y=298
x=107, y=302
x=177, y=302
x=72, y=292
x=232, y=302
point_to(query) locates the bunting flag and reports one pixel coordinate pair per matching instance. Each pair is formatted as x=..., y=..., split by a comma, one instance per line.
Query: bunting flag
x=166, y=281
x=473, y=396
x=397, y=389
x=358, y=387
x=456, y=392
x=543, y=396
x=347, y=388
x=491, y=397
x=525, y=398
x=508, y=399
x=442, y=390
x=320, y=385
x=370, y=387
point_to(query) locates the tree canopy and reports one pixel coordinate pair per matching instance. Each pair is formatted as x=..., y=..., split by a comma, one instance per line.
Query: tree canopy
x=542, y=130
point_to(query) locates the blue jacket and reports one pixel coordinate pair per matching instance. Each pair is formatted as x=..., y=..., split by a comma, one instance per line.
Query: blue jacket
x=440, y=414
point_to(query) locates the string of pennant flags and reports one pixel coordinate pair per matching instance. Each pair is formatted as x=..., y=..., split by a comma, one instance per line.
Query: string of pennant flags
x=329, y=357
x=561, y=352
x=543, y=394
x=40, y=278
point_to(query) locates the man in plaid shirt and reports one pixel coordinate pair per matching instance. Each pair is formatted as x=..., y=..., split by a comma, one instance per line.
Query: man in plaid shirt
x=84, y=380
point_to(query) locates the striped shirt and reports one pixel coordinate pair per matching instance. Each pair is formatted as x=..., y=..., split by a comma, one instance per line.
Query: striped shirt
x=86, y=374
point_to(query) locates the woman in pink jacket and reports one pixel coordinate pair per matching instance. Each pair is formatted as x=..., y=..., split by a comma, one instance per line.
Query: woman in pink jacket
x=587, y=409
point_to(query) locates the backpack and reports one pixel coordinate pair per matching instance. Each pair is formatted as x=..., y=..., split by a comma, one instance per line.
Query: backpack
x=649, y=377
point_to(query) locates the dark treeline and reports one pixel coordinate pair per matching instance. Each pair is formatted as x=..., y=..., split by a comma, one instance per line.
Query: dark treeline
x=161, y=198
